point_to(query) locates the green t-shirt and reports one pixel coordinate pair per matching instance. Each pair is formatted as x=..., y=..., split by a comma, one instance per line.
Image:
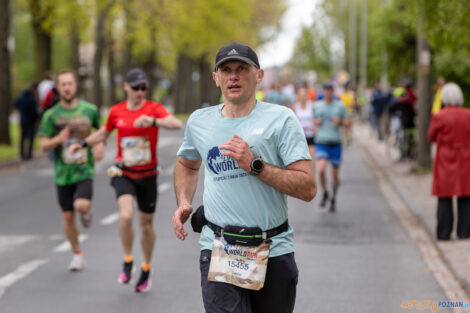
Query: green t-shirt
x=71, y=169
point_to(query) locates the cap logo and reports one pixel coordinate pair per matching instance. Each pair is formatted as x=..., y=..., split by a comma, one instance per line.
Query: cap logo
x=232, y=52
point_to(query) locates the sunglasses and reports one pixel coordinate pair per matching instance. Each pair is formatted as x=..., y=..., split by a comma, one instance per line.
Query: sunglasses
x=137, y=88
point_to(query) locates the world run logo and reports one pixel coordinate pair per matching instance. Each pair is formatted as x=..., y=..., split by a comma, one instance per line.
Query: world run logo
x=220, y=163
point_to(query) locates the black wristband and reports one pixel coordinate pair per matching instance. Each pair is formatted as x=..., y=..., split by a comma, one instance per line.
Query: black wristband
x=154, y=123
x=83, y=143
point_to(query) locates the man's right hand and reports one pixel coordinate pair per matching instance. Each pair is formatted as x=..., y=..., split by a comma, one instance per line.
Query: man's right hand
x=64, y=134
x=180, y=217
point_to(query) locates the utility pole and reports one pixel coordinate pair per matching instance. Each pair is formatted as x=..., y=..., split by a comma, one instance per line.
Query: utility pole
x=423, y=58
x=363, y=51
x=352, y=43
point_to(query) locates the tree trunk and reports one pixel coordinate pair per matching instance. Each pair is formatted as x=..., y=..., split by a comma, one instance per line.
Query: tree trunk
x=111, y=70
x=127, y=62
x=423, y=53
x=75, y=53
x=5, y=81
x=75, y=47
x=100, y=43
x=209, y=93
x=42, y=36
x=182, y=93
x=150, y=63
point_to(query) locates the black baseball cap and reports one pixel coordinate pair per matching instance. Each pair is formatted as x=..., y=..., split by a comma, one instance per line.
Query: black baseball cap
x=236, y=51
x=328, y=85
x=135, y=77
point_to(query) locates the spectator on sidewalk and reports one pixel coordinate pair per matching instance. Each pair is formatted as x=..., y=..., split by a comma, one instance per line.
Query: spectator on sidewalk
x=27, y=105
x=450, y=129
x=403, y=107
x=45, y=85
x=437, y=102
x=378, y=104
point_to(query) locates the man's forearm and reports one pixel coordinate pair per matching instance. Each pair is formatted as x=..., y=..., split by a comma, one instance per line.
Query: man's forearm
x=48, y=144
x=295, y=183
x=169, y=122
x=98, y=136
x=185, y=180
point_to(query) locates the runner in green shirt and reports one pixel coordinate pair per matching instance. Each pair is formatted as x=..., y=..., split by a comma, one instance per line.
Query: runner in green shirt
x=67, y=122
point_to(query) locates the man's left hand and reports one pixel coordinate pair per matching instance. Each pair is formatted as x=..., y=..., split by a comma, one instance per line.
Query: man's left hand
x=144, y=121
x=239, y=150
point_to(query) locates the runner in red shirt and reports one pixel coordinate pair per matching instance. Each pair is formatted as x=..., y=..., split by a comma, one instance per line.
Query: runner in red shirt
x=134, y=175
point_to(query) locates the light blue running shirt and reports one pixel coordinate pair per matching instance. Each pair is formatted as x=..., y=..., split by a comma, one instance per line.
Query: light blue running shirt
x=328, y=132
x=231, y=195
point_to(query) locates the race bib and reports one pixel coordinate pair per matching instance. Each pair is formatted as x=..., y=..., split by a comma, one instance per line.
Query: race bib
x=79, y=157
x=135, y=151
x=241, y=266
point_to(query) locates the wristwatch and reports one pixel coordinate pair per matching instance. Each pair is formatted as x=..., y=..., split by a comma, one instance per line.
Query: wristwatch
x=257, y=166
x=83, y=143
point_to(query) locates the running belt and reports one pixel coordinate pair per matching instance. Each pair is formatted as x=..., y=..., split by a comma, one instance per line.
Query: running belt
x=127, y=169
x=269, y=233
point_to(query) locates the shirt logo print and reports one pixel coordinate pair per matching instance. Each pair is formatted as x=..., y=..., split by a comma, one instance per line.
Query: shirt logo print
x=218, y=163
x=258, y=131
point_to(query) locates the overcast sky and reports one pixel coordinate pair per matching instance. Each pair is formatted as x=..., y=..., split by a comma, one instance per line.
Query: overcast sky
x=279, y=51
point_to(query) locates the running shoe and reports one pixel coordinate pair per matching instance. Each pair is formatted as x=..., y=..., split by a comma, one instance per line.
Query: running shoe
x=145, y=282
x=333, y=206
x=324, y=199
x=77, y=263
x=86, y=219
x=126, y=274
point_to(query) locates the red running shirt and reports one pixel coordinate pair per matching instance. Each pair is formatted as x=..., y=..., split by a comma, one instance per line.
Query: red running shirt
x=137, y=146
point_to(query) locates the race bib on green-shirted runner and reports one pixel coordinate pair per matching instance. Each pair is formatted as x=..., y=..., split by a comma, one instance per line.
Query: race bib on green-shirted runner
x=241, y=266
x=135, y=151
x=79, y=157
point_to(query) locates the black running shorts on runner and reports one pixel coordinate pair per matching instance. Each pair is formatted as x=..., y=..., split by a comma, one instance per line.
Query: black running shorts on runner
x=277, y=295
x=310, y=141
x=69, y=193
x=144, y=190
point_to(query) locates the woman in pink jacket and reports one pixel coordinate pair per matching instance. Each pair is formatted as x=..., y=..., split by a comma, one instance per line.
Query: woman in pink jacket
x=450, y=129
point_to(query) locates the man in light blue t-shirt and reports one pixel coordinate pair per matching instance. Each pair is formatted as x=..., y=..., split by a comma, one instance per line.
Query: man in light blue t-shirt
x=330, y=115
x=254, y=155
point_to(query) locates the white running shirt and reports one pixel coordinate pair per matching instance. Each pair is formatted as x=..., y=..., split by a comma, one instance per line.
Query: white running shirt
x=305, y=117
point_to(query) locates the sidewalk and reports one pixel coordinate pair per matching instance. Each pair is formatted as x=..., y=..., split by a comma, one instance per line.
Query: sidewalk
x=415, y=188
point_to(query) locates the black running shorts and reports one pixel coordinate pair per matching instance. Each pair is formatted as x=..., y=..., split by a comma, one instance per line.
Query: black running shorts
x=310, y=141
x=67, y=194
x=144, y=190
x=277, y=295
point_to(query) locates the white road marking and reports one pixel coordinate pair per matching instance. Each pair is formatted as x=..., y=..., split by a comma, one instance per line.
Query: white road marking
x=8, y=242
x=56, y=237
x=164, y=187
x=110, y=219
x=166, y=171
x=65, y=246
x=21, y=272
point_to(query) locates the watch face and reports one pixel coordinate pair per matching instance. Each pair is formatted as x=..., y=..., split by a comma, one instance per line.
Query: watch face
x=257, y=165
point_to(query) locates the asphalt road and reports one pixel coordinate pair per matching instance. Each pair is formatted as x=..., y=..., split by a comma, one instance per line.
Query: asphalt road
x=356, y=260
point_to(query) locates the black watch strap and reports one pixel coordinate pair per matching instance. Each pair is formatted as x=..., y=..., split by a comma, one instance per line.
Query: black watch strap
x=83, y=144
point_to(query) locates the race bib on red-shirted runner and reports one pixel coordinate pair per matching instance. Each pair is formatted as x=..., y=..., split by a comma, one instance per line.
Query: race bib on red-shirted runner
x=135, y=151
x=79, y=157
x=241, y=266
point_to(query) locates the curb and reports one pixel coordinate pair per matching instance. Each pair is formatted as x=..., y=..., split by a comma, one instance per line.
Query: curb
x=417, y=231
